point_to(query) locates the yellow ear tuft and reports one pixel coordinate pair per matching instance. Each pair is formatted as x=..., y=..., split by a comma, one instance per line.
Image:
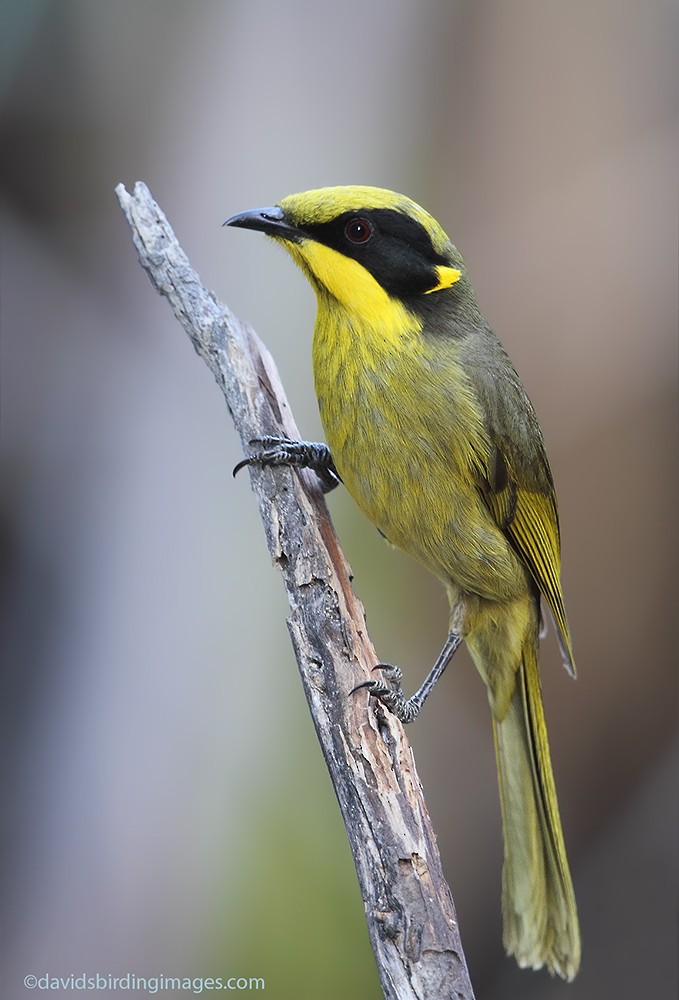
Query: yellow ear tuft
x=447, y=276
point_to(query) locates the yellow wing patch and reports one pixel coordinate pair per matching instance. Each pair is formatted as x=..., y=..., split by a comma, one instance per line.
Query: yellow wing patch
x=534, y=529
x=530, y=521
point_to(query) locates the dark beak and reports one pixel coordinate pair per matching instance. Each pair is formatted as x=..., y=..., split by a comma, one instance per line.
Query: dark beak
x=271, y=221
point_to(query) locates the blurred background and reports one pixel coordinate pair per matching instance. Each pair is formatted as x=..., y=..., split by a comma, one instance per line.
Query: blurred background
x=167, y=810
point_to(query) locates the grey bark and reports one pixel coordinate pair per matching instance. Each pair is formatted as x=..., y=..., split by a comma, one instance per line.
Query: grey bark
x=409, y=908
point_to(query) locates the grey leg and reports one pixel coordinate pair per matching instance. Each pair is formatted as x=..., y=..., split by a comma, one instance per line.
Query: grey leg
x=390, y=692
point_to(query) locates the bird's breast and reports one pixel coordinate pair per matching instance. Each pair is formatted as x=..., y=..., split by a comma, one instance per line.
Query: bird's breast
x=409, y=441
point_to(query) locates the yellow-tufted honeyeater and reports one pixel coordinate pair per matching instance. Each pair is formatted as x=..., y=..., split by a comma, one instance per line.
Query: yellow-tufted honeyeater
x=429, y=428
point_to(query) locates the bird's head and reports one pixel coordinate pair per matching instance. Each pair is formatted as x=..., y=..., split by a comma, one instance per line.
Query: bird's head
x=366, y=247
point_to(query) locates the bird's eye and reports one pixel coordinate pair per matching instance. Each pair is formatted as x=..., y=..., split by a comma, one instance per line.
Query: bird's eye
x=358, y=230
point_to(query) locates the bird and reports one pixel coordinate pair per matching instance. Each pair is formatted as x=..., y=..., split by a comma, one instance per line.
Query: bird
x=431, y=431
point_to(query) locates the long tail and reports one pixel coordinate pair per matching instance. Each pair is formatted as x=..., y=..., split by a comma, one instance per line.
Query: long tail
x=538, y=903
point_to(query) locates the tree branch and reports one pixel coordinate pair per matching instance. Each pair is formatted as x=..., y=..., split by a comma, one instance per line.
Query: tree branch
x=409, y=908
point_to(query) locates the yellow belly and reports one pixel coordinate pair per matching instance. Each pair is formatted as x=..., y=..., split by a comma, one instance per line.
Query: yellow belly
x=408, y=439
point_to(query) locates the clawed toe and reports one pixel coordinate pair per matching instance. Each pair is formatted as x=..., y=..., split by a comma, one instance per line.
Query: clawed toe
x=389, y=692
x=390, y=683
x=391, y=673
x=271, y=451
x=376, y=688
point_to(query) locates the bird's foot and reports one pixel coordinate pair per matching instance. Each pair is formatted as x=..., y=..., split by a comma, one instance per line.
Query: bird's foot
x=277, y=451
x=389, y=692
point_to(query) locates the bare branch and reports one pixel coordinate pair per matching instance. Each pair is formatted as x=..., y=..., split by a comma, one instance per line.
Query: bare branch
x=409, y=908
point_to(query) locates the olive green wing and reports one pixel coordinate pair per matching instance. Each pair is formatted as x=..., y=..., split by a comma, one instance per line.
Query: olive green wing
x=519, y=491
